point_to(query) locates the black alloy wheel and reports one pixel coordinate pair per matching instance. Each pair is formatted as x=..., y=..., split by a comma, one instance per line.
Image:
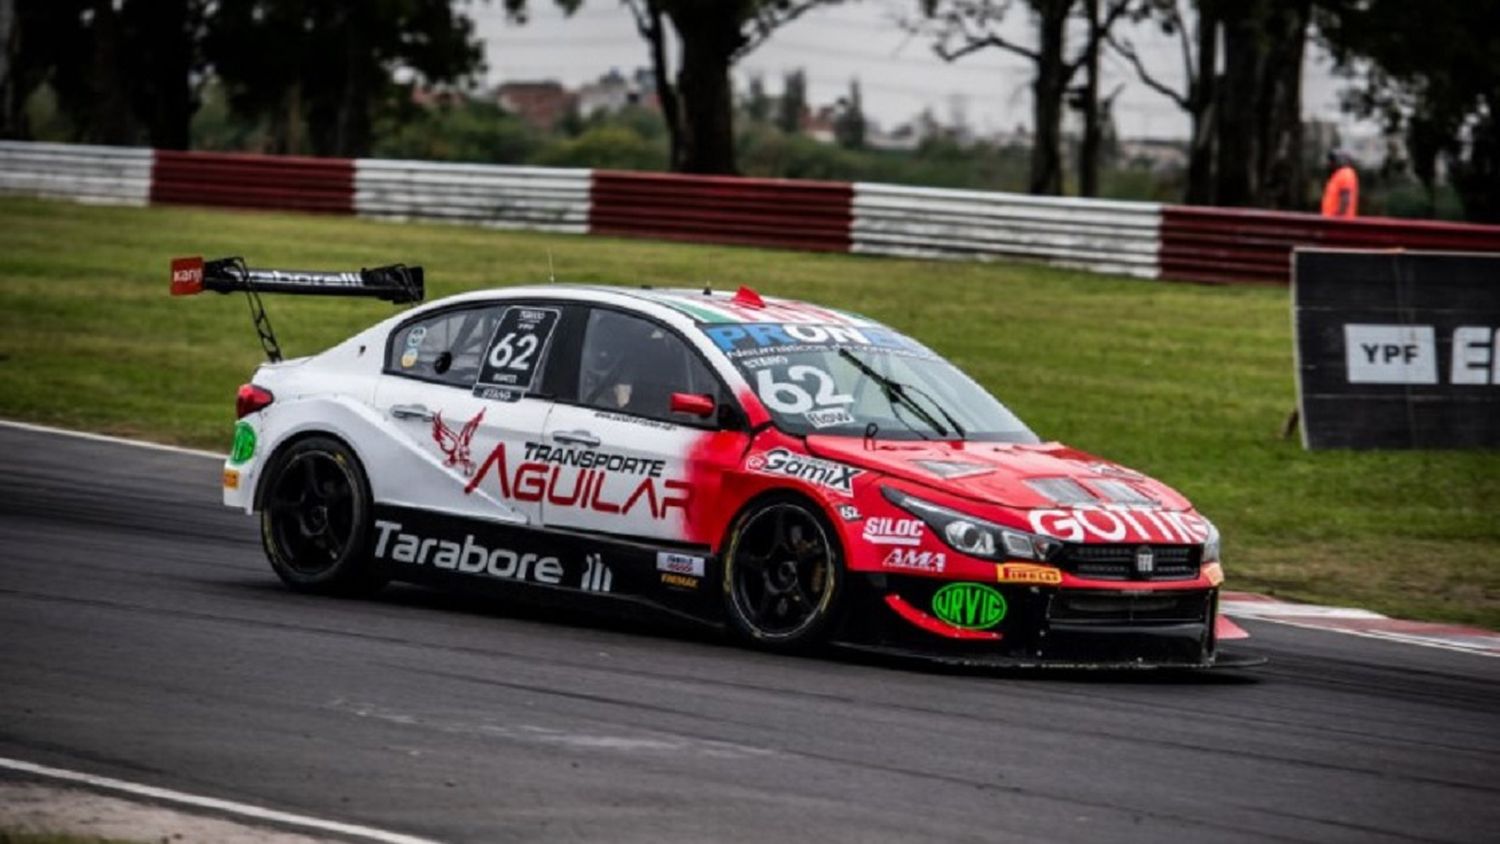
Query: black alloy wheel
x=783, y=574
x=315, y=522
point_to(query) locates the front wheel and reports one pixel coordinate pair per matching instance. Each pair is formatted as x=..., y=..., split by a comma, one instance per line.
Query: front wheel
x=783, y=575
x=315, y=524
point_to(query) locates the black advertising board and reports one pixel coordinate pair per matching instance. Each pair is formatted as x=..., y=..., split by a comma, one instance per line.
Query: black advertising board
x=1397, y=349
x=514, y=353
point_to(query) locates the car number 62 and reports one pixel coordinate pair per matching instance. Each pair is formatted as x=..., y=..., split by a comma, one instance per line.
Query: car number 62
x=511, y=353
x=790, y=397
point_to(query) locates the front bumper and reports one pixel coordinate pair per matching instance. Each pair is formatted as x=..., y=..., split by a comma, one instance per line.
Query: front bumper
x=1120, y=626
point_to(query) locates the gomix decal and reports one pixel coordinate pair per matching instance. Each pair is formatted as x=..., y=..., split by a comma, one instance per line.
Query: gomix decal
x=824, y=473
x=567, y=476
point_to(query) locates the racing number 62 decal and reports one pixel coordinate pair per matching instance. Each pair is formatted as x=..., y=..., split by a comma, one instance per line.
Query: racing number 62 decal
x=790, y=397
x=510, y=361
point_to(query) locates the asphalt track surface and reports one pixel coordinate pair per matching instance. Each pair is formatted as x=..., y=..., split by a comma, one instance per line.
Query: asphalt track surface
x=143, y=636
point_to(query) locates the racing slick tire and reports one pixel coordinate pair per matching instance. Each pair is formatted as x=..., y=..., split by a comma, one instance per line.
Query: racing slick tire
x=783, y=574
x=315, y=521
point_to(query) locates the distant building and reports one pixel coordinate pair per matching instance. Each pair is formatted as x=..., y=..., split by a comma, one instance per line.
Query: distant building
x=820, y=125
x=432, y=97
x=614, y=91
x=609, y=94
x=540, y=104
x=903, y=138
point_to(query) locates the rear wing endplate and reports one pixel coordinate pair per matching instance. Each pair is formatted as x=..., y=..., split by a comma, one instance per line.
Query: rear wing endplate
x=397, y=284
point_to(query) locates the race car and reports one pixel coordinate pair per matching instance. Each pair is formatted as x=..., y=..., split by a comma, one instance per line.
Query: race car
x=795, y=473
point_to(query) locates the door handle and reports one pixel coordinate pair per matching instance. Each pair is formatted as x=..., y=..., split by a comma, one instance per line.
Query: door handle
x=576, y=438
x=411, y=411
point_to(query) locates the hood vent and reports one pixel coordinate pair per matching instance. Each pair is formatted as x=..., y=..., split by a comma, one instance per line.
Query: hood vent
x=1064, y=491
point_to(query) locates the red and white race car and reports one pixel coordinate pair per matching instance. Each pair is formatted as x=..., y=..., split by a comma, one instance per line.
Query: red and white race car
x=796, y=472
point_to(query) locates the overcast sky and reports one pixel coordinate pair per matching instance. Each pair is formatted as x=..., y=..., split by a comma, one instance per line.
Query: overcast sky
x=898, y=73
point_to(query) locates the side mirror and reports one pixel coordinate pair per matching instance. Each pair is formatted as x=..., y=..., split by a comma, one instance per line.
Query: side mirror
x=700, y=406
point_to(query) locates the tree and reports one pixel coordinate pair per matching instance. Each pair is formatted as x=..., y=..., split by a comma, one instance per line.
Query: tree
x=757, y=101
x=849, y=125
x=698, y=103
x=11, y=122
x=793, y=102
x=1435, y=75
x=968, y=26
x=1087, y=99
x=122, y=72
x=327, y=65
x=163, y=38
x=1260, y=103
x=1199, y=50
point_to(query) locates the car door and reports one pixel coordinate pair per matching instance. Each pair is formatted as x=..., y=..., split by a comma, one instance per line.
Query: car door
x=625, y=463
x=460, y=390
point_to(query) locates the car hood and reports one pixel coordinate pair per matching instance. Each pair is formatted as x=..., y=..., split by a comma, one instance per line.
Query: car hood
x=1022, y=476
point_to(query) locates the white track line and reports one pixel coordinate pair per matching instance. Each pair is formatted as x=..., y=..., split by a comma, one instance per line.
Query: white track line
x=105, y=438
x=1276, y=609
x=1389, y=636
x=243, y=810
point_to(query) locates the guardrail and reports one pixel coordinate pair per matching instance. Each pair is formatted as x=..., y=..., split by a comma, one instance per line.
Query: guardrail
x=112, y=175
x=1226, y=245
x=540, y=198
x=1142, y=239
x=722, y=209
x=1115, y=237
x=236, y=180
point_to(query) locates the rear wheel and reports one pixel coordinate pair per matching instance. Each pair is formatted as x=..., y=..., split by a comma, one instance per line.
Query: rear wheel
x=315, y=522
x=783, y=574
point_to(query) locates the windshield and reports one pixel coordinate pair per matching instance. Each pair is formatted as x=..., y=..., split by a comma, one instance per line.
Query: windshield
x=840, y=379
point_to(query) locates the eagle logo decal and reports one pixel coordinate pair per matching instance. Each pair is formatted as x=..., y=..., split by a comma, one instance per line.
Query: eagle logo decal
x=455, y=446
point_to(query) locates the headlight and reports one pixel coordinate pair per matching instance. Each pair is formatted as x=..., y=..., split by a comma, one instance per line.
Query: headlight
x=1211, y=544
x=974, y=536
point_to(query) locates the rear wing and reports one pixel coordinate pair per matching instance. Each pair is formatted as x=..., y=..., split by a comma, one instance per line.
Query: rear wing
x=397, y=284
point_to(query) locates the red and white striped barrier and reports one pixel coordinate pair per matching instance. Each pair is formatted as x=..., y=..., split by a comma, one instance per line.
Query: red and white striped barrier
x=1143, y=239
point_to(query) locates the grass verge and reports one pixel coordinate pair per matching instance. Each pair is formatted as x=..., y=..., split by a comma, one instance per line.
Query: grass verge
x=1188, y=383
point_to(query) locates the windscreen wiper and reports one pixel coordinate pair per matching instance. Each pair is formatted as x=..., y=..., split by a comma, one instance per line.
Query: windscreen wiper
x=895, y=391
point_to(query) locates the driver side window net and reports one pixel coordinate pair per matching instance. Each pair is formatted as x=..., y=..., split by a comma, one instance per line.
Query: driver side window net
x=632, y=365
x=446, y=348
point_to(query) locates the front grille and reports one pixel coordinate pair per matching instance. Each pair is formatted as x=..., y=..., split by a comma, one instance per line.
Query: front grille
x=1118, y=561
x=1077, y=606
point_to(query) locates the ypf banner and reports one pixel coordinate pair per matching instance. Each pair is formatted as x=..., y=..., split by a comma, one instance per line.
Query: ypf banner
x=1397, y=349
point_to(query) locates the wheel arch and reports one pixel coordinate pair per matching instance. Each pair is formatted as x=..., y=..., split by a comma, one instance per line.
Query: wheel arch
x=273, y=460
x=796, y=493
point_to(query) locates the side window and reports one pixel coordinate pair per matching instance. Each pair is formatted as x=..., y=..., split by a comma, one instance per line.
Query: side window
x=446, y=347
x=632, y=365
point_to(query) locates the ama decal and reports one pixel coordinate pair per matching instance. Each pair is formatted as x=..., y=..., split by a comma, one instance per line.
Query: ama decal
x=565, y=476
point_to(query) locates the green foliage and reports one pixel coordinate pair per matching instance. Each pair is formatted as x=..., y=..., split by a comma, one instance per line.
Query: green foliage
x=766, y=151
x=328, y=64
x=612, y=147
x=469, y=131
x=1189, y=383
x=1434, y=73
